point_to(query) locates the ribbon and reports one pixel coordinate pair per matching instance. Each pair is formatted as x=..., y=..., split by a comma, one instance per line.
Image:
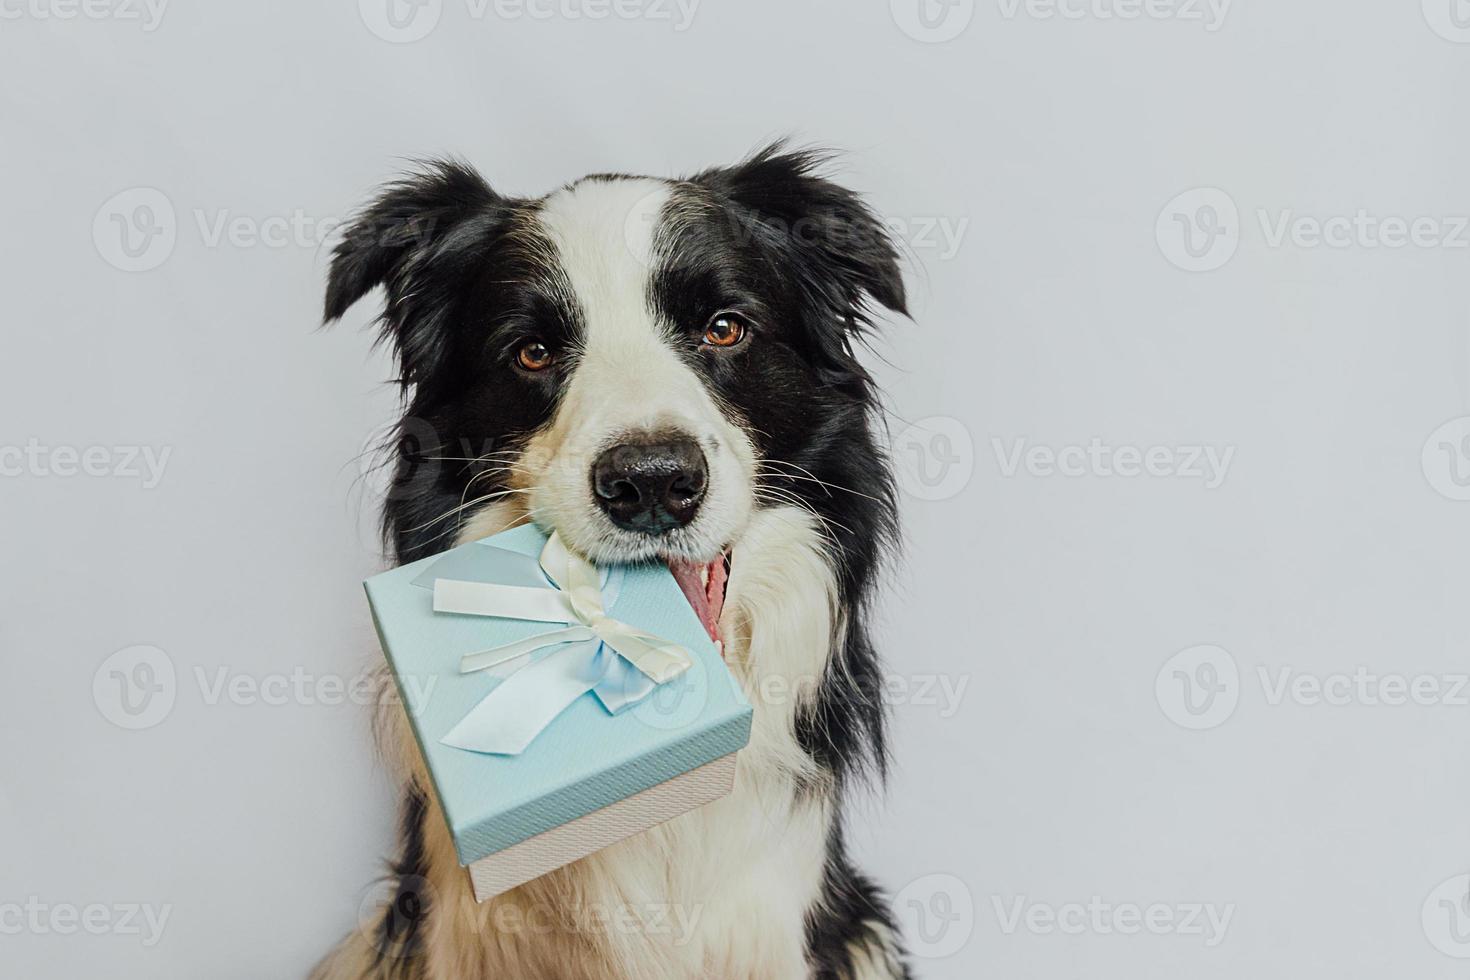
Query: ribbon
x=542, y=675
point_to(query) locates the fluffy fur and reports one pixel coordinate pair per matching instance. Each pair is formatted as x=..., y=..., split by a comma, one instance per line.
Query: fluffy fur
x=619, y=276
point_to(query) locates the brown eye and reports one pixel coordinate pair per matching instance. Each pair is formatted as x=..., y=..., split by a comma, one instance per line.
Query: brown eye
x=724, y=330
x=534, y=356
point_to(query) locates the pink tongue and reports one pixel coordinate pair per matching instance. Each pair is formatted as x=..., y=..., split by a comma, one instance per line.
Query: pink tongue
x=706, y=601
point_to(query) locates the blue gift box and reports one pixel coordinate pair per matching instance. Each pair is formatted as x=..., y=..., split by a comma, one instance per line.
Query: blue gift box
x=573, y=789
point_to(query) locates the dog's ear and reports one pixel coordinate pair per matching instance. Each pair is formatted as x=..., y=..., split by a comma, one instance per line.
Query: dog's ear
x=838, y=248
x=418, y=239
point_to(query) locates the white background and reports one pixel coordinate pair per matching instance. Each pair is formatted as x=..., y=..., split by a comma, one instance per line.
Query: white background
x=1053, y=145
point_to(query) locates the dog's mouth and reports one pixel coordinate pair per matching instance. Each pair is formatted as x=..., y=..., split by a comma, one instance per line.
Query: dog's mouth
x=704, y=585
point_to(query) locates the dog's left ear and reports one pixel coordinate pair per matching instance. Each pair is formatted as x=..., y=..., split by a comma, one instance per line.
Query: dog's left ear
x=838, y=248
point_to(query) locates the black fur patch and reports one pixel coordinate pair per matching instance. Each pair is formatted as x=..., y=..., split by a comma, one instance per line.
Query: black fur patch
x=851, y=915
x=399, y=939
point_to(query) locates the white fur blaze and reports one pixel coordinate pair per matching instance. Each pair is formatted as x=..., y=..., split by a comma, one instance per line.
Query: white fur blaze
x=628, y=379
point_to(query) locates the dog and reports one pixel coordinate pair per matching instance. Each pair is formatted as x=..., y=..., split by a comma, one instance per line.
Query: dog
x=659, y=370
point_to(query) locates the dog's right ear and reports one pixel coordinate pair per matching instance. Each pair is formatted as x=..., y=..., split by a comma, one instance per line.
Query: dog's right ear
x=418, y=239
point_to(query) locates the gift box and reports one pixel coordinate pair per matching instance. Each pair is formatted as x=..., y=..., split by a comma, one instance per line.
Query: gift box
x=559, y=707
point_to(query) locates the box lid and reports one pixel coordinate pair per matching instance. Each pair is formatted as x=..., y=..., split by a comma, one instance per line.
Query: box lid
x=586, y=758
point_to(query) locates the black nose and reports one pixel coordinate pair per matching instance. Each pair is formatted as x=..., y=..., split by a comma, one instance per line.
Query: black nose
x=651, y=486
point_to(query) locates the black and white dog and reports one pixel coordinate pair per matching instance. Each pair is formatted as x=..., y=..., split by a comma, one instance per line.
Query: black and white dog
x=656, y=369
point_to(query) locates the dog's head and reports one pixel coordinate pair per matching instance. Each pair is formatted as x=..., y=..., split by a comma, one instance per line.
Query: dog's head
x=640, y=364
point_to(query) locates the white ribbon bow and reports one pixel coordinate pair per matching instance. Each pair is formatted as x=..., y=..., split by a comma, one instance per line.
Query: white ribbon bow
x=620, y=663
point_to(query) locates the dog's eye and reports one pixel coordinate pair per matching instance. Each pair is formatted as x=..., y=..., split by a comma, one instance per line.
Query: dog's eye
x=534, y=356
x=724, y=330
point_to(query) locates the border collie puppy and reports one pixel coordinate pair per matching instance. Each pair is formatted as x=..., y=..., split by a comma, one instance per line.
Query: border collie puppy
x=658, y=369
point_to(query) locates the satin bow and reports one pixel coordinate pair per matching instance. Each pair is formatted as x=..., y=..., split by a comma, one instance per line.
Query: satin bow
x=542, y=675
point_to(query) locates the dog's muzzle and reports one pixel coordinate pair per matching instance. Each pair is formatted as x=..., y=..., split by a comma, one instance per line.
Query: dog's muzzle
x=651, y=483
